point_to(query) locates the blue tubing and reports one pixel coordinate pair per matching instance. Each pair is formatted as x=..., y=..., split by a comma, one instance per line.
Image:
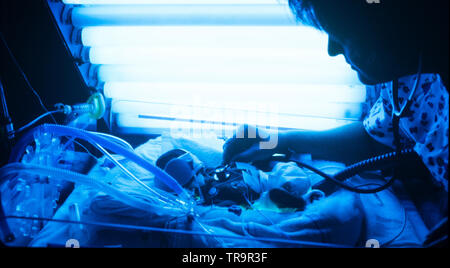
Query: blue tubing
x=19, y=147
x=105, y=142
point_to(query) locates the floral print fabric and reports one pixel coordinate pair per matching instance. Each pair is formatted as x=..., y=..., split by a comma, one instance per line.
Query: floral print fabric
x=424, y=126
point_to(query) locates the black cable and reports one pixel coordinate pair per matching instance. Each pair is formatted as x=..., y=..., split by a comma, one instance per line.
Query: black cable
x=396, y=157
x=49, y=113
x=342, y=184
x=373, y=163
x=5, y=118
x=13, y=58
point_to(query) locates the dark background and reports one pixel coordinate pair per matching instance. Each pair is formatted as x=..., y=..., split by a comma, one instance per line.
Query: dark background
x=32, y=36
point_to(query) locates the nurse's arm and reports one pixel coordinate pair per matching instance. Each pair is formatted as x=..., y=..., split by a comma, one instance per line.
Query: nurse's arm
x=348, y=144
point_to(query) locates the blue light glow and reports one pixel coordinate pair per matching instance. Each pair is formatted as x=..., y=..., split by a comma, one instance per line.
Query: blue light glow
x=183, y=92
x=288, y=99
x=205, y=36
x=169, y=2
x=157, y=117
x=208, y=14
x=156, y=57
x=210, y=56
x=244, y=73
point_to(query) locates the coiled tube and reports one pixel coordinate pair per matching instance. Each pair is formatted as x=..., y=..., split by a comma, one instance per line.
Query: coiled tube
x=108, y=144
x=66, y=175
x=329, y=184
x=373, y=163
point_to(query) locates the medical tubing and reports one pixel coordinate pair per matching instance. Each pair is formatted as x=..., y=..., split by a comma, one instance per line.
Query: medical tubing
x=166, y=178
x=220, y=241
x=262, y=214
x=115, y=139
x=184, y=232
x=21, y=145
x=369, y=164
x=79, y=133
x=342, y=184
x=66, y=175
x=161, y=198
x=35, y=121
x=394, y=101
x=345, y=186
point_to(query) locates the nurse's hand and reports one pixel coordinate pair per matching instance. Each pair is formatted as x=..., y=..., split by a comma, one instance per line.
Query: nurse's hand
x=252, y=144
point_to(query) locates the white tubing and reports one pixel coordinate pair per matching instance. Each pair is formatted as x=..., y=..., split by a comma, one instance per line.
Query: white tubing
x=97, y=139
x=184, y=199
x=160, y=198
x=65, y=175
x=115, y=139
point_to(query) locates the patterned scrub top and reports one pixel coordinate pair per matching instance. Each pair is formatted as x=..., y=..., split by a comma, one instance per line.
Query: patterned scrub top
x=424, y=126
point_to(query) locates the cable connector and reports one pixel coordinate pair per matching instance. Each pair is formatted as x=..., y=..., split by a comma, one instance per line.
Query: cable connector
x=66, y=109
x=5, y=119
x=95, y=107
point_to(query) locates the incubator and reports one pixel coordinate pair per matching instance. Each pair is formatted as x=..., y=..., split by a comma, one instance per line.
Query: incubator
x=174, y=192
x=165, y=67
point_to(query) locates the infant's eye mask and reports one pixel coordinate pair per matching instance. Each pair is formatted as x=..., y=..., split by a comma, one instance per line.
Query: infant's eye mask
x=179, y=164
x=180, y=170
x=166, y=157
